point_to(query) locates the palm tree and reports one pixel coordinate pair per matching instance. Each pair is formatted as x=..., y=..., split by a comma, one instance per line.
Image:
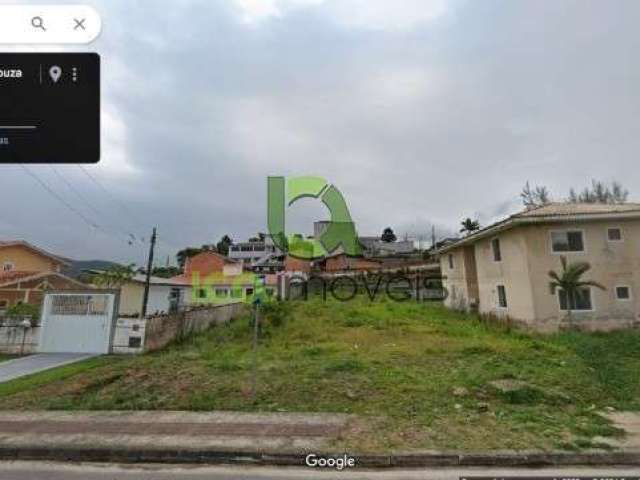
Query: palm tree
x=114, y=277
x=469, y=226
x=569, y=280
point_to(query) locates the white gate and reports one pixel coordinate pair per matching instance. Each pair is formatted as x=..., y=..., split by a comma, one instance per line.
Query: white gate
x=77, y=322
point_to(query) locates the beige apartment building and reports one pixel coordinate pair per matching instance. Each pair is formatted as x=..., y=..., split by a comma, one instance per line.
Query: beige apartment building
x=503, y=269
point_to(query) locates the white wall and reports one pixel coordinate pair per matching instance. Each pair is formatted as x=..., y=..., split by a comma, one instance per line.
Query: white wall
x=230, y=269
x=158, y=299
x=125, y=329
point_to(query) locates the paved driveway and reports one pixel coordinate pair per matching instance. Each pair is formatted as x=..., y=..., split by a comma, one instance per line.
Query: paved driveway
x=20, y=367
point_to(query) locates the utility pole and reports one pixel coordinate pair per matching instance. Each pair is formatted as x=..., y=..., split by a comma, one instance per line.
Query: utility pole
x=147, y=283
x=433, y=236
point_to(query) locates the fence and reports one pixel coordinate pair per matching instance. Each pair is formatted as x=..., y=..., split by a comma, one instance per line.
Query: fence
x=135, y=335
x=18, y=335
x=132, y=335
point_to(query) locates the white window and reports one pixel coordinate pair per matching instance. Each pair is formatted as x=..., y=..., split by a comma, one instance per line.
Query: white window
x=614, y=234
x=495, y=249
x=623, y=292
x=567, y=241
x=502, y=296
x=450, y=261
x=8, y=266
x=580, y=300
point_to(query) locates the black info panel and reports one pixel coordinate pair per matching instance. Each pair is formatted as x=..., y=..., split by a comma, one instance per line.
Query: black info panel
x=49, y=107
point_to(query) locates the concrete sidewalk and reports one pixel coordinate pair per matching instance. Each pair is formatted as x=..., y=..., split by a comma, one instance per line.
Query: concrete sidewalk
x=170, y=430
x=20, y=367
x=275, y=439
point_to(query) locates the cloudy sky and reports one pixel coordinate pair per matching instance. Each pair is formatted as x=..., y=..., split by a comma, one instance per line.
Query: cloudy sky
x=419, y=111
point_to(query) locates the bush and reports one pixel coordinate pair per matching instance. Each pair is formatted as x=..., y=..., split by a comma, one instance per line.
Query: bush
x=275, y=313
x=24, y=310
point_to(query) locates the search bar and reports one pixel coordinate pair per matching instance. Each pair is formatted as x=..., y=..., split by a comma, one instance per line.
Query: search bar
x=33, y=24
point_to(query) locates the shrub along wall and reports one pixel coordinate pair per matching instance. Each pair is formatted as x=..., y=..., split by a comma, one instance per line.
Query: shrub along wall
x=163, y=329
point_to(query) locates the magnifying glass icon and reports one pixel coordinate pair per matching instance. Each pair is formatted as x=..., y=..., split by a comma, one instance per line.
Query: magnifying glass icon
x=37, y=22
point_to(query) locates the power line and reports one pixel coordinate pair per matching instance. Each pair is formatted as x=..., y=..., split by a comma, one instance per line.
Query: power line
x=110, y=195
x=75, y=191
x=129, y=236
x=59, y=198
x=121, y=205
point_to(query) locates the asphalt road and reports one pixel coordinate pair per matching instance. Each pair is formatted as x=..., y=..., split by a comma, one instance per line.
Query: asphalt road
x=19, y=367
x=61, y=471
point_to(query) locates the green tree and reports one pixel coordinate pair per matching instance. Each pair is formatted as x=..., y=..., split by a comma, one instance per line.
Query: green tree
x=165, y=272
x=600, y=192
x=469, y=226
x=223, y=245
x=570, y=281
x=388, y=236
x=115, y=276
x=24, y=310
x=535, y=197
x=185, y=253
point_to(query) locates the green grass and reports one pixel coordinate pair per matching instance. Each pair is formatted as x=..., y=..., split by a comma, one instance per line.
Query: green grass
x=393, y=364
x=32, y=382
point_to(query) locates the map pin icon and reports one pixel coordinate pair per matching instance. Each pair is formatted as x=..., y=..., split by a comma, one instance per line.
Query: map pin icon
x=55, y=73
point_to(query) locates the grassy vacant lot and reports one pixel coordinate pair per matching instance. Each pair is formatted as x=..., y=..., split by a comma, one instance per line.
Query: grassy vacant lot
x=395, y=364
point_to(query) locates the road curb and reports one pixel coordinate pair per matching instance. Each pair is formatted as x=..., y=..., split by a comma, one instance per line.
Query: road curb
x=217, y=457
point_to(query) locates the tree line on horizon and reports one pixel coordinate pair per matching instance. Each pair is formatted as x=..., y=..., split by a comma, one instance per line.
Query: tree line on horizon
x=598, y=192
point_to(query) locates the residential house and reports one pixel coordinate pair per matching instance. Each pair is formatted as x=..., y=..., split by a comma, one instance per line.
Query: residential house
x=234, y=288
x=165, y=295
x=207, y=263
x=19, y=255
x=270, y=264
x=255, y=252
x=170, y=294
x=375, y=247
x=27, y=271
x=296, y=266
x=372, y=246
x=344, y=263
x=29, y=287
x=209, y=275
x=503, y=269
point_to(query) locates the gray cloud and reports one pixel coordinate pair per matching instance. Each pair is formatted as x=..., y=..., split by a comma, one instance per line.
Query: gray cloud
x=418, y=119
